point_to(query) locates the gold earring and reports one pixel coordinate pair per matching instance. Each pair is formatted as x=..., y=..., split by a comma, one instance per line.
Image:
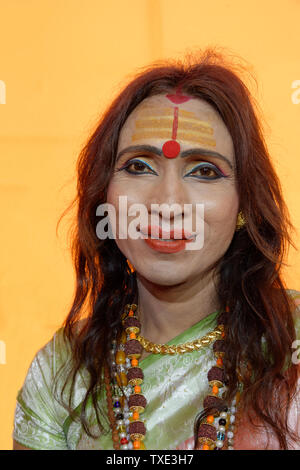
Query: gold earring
x=241, y=221
x=130, y=266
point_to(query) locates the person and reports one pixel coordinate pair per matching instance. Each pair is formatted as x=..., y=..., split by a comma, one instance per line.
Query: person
x=190, y=335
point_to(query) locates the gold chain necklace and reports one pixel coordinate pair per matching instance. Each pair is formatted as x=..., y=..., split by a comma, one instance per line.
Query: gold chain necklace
x=184, y=347
x=171, y=349
x=209, y=436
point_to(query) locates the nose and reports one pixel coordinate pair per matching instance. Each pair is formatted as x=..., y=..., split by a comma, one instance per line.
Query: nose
x=169, y=191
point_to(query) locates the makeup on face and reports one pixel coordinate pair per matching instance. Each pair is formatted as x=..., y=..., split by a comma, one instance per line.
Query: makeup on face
x=151, y=149
x=166, y=246
x=173, y=125
x=174, y=120
x=166, y=241
x=178, y=129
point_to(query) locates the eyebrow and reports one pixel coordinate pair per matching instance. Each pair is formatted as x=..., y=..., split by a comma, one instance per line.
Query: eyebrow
x=145, y=148
x=185, y=153
x=206, y=153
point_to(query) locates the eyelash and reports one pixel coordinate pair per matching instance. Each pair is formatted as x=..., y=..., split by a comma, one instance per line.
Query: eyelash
x=218, y=172
x=131, y=162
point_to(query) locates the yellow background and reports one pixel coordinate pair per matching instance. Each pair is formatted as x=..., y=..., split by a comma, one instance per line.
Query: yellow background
x=62, y=61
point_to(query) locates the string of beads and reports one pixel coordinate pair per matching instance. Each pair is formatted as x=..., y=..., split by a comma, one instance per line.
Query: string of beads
x=127, y=402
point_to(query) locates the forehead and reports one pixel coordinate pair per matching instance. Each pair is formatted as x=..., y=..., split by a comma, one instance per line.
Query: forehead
x=193, y=123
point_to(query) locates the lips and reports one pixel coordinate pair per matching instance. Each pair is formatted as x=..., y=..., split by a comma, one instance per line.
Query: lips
x=170, y=241
x=156, y=232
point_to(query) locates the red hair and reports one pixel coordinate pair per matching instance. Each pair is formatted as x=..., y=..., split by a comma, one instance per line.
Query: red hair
x=249, y=274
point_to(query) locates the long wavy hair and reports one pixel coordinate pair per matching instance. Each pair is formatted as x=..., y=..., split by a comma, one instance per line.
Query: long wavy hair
x=250, y=281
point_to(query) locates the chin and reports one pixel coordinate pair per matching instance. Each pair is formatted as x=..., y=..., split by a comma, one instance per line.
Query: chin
x=162, y=277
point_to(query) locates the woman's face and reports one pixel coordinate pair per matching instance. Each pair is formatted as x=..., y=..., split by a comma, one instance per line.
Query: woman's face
x=175, y=149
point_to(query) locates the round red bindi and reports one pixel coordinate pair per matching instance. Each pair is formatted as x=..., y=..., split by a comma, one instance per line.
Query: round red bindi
x=171, y=149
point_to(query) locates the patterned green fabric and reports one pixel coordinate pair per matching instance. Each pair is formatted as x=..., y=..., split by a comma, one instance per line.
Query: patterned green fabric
x=174, y=387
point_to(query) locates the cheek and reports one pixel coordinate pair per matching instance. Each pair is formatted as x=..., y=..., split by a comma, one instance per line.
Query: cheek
x=223, y=209
x=113, y=193
x=124, y=196
x=220, y=208
x=121, y=188
x=220, y=215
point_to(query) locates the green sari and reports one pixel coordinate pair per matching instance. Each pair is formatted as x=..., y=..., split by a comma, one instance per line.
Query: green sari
x=174, y=387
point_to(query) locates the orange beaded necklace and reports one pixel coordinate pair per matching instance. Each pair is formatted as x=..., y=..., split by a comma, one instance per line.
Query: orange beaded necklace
x=124, y=409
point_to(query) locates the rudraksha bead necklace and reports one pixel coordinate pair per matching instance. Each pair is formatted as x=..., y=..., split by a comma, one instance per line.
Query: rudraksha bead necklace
x=128, y=402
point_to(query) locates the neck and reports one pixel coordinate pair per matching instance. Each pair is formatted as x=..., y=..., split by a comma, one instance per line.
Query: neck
x=167, y=311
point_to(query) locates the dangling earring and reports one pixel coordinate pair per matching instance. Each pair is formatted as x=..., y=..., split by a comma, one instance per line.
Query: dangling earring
x=241, y=221
x=132, y=270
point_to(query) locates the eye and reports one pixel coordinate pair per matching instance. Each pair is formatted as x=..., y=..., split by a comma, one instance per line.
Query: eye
x=137, y=166
x=205, y=171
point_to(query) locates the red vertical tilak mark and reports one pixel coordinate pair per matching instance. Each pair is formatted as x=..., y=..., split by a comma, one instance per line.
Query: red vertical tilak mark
x=171, y=148
x=175, y=123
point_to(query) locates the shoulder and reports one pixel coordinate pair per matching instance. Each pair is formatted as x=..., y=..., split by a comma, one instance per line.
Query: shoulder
x=41, y=372
x=58, y=349
x=49, y=367
x=40, y=414
x=38, y=417
x=51, y=355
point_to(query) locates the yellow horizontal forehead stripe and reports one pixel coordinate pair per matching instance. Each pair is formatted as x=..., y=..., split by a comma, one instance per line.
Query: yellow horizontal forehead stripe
x=188, y=114
x=151, y=111
x=167, y=123
x=181, y=136
x=155, y=134
x=150, y=123
x=195, y=125
x=157, y=123
x=195, y=137
x=154, y=111
x=194, y=120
